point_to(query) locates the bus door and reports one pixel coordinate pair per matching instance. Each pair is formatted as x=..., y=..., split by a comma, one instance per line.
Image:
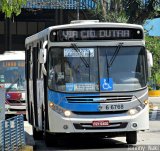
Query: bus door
x=34, y=80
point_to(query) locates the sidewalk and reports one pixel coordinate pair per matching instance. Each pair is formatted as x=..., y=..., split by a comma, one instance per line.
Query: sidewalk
x=154, y=103
x=30, y=143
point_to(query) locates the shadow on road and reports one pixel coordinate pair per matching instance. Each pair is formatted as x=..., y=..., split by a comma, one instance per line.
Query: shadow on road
x=83, y=144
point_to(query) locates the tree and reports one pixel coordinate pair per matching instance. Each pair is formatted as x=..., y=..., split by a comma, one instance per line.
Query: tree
x=109, y=10
x=153, y=45
x=140, y=10
x=10, y=7
x=134, y=11
x=130, y=11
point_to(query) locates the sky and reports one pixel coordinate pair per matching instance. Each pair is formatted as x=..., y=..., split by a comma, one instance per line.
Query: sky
x=152, y=26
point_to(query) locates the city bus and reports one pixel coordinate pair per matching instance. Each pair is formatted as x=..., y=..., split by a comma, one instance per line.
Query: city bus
x=87, y=78
x=12, y=78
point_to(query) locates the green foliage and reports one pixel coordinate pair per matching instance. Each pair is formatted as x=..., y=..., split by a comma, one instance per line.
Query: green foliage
x=153, y=45
x=138, y=11
x=131, y=11
x=10, y=7
x=119, y=17
x=112, y=15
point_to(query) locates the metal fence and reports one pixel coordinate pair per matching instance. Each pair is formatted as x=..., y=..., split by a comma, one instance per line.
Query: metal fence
x=12, y=137
x=2, y=103
x=60, y=4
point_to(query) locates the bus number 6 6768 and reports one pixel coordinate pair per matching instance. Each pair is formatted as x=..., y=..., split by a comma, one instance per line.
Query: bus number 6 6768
x=115, y=107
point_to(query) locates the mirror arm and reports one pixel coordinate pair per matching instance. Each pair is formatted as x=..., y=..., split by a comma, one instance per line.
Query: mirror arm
x=44, y=69
x=45, y=55
x=45, y=50
x=44, y=44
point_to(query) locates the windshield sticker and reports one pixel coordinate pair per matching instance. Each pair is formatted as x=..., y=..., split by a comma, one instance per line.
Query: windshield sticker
x=10, y=85
x=80, y=52
x=69, y=87
x=106, y=84
x=60, y=76
x=77, y=87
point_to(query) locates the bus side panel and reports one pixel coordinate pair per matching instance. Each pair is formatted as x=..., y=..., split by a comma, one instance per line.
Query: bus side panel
x=46, y=99
x=36, y=94
x=31, y=104
x=40, y=98
x=34, y=75
x=27, y=73
x=29, y=78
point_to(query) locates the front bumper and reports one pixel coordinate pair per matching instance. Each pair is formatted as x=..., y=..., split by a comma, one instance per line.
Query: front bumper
x=14, y=109
x=83, y=124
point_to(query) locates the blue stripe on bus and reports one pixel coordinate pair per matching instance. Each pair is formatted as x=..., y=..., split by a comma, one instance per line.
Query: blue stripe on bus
x=60, y=99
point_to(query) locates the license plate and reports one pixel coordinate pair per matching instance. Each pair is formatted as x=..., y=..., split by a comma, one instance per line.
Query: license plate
x=100, y=123
x=115, y=107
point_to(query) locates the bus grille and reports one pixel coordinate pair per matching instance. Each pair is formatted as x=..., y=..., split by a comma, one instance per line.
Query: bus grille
x=100, y=113
x=15, y=101
x=101, y=99
x=88, y=126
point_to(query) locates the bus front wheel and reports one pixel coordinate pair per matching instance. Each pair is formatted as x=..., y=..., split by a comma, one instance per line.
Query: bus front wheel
x=37, y=135
x=50, y=139
x=131, y=137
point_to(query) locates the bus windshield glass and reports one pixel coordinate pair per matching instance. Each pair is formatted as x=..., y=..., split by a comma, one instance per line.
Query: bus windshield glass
x=93, y=69
x=12, y=75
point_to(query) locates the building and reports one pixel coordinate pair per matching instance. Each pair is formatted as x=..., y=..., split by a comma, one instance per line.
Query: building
x=37, y=15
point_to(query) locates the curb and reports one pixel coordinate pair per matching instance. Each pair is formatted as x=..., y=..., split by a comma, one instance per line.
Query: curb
x=27, y=148
x=154, y=93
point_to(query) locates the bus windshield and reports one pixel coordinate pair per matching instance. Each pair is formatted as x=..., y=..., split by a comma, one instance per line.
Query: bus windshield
x=12, y=75
x=69, y=73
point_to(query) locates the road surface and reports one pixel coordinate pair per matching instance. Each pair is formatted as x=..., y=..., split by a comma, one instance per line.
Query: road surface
x=148, y=140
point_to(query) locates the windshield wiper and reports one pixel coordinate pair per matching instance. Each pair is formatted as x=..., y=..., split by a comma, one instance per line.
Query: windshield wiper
x=19, y=81
x=107, y=66
x=12, y=84
x=115, y=54
x=81, y=55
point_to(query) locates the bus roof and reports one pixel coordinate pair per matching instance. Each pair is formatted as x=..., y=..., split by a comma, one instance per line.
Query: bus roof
x=12, y=55
x=78, y=24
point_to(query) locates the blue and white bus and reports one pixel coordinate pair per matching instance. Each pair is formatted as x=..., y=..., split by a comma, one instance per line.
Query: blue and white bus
x=12, y=79
x=88, y=77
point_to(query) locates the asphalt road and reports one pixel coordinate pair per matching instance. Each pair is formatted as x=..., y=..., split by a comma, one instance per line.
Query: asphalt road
x=149, y=137
x=148, y=140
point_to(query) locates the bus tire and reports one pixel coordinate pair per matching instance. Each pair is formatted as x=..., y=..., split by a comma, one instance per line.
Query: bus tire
x=37, y=135
x=131, y=137
x=50, y=139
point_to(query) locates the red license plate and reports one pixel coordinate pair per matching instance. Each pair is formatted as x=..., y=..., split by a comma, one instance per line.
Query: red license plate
x=100, y=123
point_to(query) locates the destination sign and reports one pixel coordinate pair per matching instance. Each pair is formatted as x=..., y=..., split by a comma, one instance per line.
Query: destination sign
x=95, y=34
x=12, y=63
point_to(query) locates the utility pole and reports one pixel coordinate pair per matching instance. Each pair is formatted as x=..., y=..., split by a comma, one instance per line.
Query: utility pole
x=78, y=5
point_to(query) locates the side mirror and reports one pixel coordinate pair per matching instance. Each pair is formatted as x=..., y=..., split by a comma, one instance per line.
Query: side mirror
x=149, y=59
x=43, y=53
x=150, y=62
x=42, y=57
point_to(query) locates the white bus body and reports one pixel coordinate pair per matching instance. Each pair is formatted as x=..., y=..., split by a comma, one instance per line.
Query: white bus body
x=101, y=91
x=12, y=78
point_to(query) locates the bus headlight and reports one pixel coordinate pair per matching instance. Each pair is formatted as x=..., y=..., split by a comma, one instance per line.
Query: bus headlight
x=60, y=110
x=132, y=111
x=136, y=110
x=67, y=113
